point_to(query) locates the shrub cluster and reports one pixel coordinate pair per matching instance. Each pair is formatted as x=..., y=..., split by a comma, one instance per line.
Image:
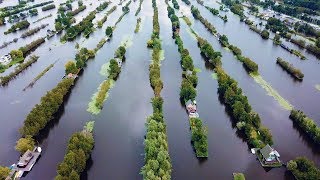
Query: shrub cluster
x=115, y=69
x=43, y=112
x=83, y=56
x=199, y=137
x=104, y=88
x=224, y=40
x=207, y=50
x=126, y=8
x=4, y=172
x=46, y=8
x=139, y=8
x=136, y=30
x=298, y=42
x=290, y=69
x=157, y=160
x=257, y=135
x=79, y=149
x=235, y=7
x=104, y=19
x=103, y=6
x=196, y=14
x=77, y=11
x=313, y=49
x=249, y=65
x=175, y=4
x=18, y=26
x=265, y=34
x=275, y=25
x=187, y=2
x=84, y=26
x=31, y=46
x=303, y=169
x=33, y=31
x=306, y=124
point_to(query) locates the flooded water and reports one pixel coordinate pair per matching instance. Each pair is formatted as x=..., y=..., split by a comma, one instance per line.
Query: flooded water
x=120, y=127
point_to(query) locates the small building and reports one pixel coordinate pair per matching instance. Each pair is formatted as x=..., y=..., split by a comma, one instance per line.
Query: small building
x=119, y=61
x=6, y=59
x=72, y=76
x=269, y=157
x=25, y=159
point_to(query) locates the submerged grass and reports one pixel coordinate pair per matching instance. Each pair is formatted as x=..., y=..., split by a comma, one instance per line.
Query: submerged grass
x=127, y=40
x=272, y=92
x=318, y=86
x=192, y=34
x=198, y=70
x=92, y=108
x=214, y=75
x=104, y=71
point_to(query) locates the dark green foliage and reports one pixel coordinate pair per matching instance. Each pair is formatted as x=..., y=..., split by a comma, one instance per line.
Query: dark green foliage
x=199, y=137
x=31, y=46
x=76, y=11
x=235, y=50
x=103, y=6
x=139, y=8
x=80, y=146
x=83, y=56
x=196, y=14
x=114, y=69
x=224, y=41
x=212, y=10
x=104, y=19
x=18, y=26
x=207, y=50
x=33, y=12
x=306, y=124
x=126, y=8
x=249, y=64
x=241, y=111
x=175, y=4
x=157, y=160
x=46, y=8
x=265, y=34
x=303, y=169
x=75, y=30
x=290, y=69
x=43, y=112
x=186, y=1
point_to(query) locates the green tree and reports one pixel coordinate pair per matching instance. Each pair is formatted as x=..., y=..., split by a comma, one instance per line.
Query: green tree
x=16, y=54
x=24, y=144
x=265, y=34
x=4, y=172
x=109, y=31
x=70, y=67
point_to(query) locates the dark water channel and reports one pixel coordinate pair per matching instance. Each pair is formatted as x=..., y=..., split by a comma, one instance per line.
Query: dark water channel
x=119, y=128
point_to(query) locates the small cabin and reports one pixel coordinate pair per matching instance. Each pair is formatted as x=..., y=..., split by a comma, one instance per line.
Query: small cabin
x=6, y=59
x=269, y=155
x=72, y=76
x=191, y=106
x=25, y=159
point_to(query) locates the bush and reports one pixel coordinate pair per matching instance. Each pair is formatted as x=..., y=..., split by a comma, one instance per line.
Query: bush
x=303, y=169
x=25, y=144
x=306, y=124
x=46, y=8
x=290, y=69
x=265, y=34
x=4, y=172
x=109, y=31
x=79, y=148
x=31, y=46
x=18, y=26
x=70, y=67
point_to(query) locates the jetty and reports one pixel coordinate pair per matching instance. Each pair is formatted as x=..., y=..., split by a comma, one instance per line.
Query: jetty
x=25, y=163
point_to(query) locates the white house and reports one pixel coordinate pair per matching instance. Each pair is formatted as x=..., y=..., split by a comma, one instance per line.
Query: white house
x=6, y=59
